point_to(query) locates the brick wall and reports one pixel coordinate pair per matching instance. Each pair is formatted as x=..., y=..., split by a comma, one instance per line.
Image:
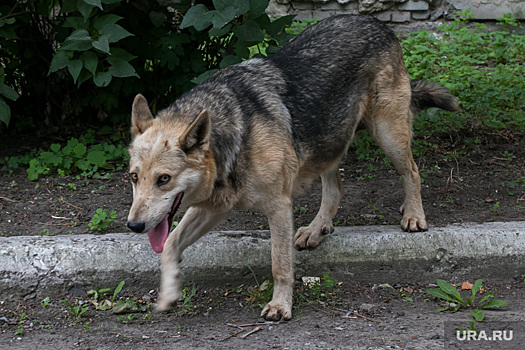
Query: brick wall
x=398, y=12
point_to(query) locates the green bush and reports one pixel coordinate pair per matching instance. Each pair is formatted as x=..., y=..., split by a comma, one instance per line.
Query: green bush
x=78, y=60
x=483, y=69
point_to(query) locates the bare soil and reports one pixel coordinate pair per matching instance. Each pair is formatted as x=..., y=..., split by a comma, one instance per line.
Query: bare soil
x=477, y=183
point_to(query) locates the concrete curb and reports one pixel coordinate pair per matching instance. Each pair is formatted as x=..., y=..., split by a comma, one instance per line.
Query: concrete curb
x=37, y=266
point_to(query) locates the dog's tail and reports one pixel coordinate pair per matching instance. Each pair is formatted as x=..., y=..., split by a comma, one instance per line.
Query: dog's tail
x=426, y=94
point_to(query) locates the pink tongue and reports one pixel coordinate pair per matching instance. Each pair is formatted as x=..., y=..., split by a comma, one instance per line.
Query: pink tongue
x=158, y=235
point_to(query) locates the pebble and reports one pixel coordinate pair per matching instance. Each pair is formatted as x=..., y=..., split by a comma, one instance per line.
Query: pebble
x=370, y=308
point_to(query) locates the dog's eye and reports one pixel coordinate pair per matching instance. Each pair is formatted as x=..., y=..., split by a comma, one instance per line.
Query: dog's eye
x=163, y=179
x=134, y=177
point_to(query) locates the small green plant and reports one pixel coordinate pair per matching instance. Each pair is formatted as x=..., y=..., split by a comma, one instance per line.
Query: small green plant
x=45, y=302
x=45, y=232
x=99, y=295
x=261, y=294
x=76, y=310
x=19, y=329
x=448, y=293
x=102, y=219
x=126, y=319
x=495, y=207
x=319, y=291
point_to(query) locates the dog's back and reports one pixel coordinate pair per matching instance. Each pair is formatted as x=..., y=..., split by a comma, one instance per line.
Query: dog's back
x=330, y=71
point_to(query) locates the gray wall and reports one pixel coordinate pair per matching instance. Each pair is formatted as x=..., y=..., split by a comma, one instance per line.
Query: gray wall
x=402, y=13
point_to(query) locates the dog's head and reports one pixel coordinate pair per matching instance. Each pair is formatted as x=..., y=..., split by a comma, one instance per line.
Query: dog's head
x=171, y=168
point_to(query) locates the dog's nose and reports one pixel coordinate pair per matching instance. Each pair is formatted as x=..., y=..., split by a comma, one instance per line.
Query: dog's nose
x=137, y=227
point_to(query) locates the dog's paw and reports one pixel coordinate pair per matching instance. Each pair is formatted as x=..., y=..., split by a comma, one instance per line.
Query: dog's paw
x=310, y=237
x=413, y=220
x=277, y=312
x=164, y=305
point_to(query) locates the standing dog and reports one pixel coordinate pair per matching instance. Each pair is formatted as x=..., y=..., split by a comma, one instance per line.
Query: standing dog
x=256, y=134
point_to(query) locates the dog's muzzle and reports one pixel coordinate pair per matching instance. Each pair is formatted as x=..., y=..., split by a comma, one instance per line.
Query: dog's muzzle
x=137, y=227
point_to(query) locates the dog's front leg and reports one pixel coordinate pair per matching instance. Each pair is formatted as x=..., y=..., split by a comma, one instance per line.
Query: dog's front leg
x=280, y=218
x=195, y=223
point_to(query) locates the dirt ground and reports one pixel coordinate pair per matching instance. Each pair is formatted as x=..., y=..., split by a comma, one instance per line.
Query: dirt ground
x=478, y=183
x=353, y=317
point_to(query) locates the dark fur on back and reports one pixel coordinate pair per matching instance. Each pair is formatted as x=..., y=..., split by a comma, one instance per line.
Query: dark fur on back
x=327, y=70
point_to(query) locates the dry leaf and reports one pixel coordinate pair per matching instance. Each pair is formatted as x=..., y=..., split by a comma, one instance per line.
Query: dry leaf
x=466, y=285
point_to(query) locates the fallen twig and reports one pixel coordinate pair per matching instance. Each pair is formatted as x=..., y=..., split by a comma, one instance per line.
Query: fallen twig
x=355, y=314
x=8, y=199
x=255, y=330
x=231, y=335
x=74, y=206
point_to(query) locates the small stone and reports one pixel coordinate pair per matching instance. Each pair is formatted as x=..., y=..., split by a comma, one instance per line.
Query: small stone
x=435, y=336
x=369, y=308
x=76, y=292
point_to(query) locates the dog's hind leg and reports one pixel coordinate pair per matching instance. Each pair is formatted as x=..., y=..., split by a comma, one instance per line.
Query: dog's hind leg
x=392, y=132
x=280, y=218
x=195, y=223
x=312, y=235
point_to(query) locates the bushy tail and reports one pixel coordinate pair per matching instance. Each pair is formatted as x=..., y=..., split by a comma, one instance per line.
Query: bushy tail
x=426, y=94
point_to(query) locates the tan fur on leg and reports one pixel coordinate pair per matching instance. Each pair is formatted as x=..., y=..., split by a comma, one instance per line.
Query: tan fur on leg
x=311, y=236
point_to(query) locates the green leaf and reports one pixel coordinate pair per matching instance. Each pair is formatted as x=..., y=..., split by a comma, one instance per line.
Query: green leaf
x=486, y=297
x=102, y=21
x=258, y=7
x=204, y=76
x=68, y=6
x=476, y=287
x=217, y=32
x=102, y=44
x=117, y=290
x=229, y=60
x=76, y=22
x=8, y=92
x=449, y=289
x=249, y=31
x=74, y=67
x=157, y=18
x=8, y=32
x=79, y=40
x=5, y=112
x=478, y=315
x=97, y=3
x=55, y=147
x=90, y=61
x=85, y=9
x=494, y=303
x=121, y=53
x=121, y=68
x=97, y=158
x=220, y=19
x=59, y=61
x=114, y=32
x=197, y=16
x=79, y=150
x=238, y=7
x=279, y=24
x=102, y=79
x=438, y=293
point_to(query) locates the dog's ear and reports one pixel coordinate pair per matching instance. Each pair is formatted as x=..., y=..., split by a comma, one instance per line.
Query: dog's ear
x=197, y=134
x=141, y=116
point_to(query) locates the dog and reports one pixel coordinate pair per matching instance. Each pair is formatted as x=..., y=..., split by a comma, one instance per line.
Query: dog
x=256, y=134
